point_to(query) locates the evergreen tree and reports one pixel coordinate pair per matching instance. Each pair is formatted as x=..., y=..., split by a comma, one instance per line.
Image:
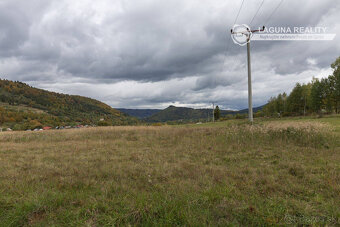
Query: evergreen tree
x=217, y=113
x=316, y=96
x=335, y=81
x=306, y=90
x=284, y=98
x=295, y=100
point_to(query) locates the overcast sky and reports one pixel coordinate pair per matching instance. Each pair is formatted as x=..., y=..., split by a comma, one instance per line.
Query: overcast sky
x=156, y=53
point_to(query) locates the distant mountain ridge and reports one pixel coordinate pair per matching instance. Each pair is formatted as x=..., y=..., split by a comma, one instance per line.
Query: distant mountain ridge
x=173, y=113
x=255, y=109
x=139, y=113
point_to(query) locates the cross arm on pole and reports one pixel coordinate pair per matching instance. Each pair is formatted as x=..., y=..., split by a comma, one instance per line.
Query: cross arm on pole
x=246, y=33
x=258, y=30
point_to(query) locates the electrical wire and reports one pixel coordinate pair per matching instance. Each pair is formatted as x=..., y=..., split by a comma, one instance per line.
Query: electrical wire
x=256, y=13
x=238, y=12
x=228, y=43
x=273, y=12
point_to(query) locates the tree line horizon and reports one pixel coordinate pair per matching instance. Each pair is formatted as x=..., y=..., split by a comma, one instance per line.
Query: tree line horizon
x=316, y=97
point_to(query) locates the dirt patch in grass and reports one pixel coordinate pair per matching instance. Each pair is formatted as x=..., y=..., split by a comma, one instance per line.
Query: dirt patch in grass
x=36, y=217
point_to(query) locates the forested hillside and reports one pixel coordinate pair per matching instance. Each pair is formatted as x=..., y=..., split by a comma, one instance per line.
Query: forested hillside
x=318, y=96
x=25, y=107
x=139, y=113
x=173, y=113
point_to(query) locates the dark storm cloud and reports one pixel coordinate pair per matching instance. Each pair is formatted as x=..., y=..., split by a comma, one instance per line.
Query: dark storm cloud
x=56, y=44
x=16, y=18
x=290, y=56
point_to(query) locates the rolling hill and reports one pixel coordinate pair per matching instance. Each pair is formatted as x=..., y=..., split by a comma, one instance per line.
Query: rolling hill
x=173, y=113
x=255, y=109
x=26, y=107
x=139, y=113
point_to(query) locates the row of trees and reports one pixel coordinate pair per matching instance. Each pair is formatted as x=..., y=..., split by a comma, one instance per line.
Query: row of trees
x=318, y=96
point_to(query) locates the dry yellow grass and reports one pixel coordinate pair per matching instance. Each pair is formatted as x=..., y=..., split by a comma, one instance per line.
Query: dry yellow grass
x=238, y=174
x=306, y=125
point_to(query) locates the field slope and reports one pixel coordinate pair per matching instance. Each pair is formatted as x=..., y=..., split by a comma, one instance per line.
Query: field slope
x=271, y=173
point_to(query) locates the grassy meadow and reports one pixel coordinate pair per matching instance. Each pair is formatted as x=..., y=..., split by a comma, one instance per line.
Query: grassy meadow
x=275, y=172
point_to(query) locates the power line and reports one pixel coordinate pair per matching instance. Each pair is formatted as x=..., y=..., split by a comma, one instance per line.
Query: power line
x=273, y=12
x=239, y=12
x=256, y=12
x=227, y=49
x=250, y=102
